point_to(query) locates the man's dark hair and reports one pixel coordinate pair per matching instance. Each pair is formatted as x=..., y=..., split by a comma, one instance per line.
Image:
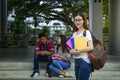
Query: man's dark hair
x=41, y=35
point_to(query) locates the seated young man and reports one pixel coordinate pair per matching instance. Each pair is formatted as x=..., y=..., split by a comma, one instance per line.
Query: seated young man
x=43, y=50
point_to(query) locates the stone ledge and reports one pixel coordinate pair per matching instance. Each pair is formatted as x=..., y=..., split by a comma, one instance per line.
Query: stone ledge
x=25, y=75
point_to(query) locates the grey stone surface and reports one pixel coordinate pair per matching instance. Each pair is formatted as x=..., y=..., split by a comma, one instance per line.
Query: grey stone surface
x=17, y=54
x=17, y=64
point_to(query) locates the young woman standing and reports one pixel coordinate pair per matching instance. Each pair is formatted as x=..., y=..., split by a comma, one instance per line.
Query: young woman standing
x=82, y=62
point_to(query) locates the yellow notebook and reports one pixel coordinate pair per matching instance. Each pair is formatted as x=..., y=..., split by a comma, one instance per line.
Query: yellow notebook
x=80, y=42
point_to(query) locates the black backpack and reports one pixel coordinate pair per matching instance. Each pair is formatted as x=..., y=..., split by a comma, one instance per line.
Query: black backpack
x=98, y=56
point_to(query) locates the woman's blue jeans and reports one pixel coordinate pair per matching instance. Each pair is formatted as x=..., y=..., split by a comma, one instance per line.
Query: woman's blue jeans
x=58, y=65
x=82, y=69
x=37, y=59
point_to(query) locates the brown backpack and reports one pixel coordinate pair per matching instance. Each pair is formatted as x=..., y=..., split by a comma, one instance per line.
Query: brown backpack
x=98, y=56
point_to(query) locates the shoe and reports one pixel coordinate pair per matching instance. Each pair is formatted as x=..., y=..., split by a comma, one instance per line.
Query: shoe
x=68, y=75
x=35, y=74
x=48, y=75
x=61, y=76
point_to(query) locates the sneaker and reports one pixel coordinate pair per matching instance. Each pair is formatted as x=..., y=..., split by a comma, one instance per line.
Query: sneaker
x=68, y=75
x=48, y=75
x=35, y=74
x=61, y=76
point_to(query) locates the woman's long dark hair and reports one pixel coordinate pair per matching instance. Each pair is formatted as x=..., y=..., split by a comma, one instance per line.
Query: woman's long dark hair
x=63, y=44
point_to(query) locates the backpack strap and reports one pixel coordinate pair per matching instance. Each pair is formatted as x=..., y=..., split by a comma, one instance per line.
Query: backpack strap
x=92, y=35
x=84, y=33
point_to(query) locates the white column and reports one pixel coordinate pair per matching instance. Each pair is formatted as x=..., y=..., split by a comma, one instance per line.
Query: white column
x=114, y=33
x=95, y=18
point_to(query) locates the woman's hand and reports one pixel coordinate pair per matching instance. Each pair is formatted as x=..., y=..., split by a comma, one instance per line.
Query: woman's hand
x=55, y=55
x=74, y=51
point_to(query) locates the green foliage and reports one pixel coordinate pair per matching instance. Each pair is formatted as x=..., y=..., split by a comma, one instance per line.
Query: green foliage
x=48, y=9
x=106, y=16
x=31, y=8
x=58, y=32
x=105, y=30
x=45, y=30
x=19, y=27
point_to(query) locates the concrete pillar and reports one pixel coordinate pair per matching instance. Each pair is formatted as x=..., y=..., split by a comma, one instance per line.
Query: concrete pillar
x=95, y=18
x=0, y=24
x=4, y=17
x=114, y=33
x=0, y=18
x=3, y=23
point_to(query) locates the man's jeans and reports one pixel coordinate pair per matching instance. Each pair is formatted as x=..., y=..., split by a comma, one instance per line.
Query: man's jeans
x=58, y=65
x=37, y=59
x=82, y=69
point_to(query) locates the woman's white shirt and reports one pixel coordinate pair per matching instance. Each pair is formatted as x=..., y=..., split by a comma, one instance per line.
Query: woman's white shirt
x=65, y=54
x=89, y=38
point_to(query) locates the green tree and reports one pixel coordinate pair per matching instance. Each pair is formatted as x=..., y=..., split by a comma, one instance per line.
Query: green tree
x=106, y=16
x=67, y=7
x=47, y=9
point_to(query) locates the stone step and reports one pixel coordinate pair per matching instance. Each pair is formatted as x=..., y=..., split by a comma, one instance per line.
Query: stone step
x=106, y=75
x=29, y=66
x=17, y=64
x=22, y=70
x=25, y=75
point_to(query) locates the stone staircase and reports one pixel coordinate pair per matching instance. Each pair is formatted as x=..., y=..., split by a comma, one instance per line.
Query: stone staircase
x=17, y=64
x=15, y=70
